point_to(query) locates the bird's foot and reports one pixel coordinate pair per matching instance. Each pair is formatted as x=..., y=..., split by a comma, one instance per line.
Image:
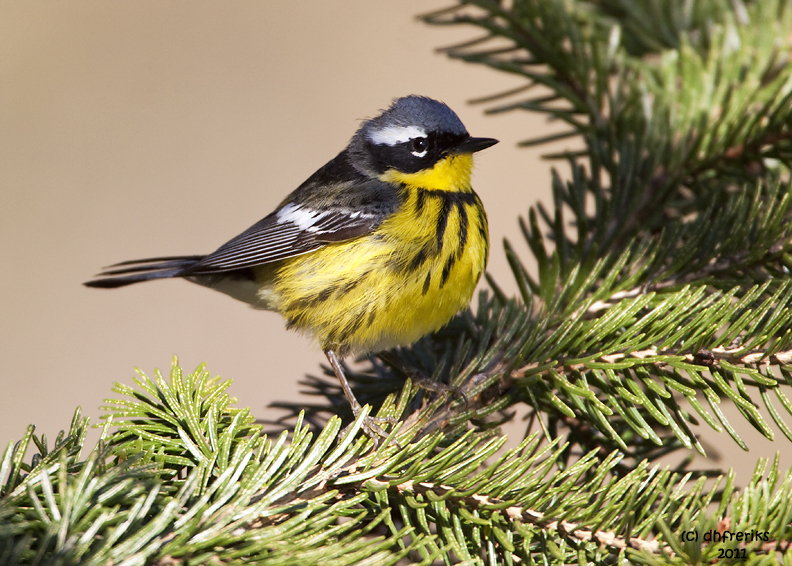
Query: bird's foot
x=441, y=388
x=372, y=426
x=424, y=382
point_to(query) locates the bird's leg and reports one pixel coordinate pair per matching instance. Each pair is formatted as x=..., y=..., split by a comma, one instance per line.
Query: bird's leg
x=370, y=424
x=421, y=381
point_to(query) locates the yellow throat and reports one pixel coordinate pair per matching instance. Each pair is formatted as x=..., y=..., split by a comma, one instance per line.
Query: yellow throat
x=451, y=173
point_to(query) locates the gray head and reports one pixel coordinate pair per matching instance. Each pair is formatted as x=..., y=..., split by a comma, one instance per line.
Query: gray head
x=413, y=134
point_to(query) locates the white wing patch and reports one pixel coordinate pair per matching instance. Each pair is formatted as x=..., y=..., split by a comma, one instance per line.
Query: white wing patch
x=393, y=135
x=303, y=218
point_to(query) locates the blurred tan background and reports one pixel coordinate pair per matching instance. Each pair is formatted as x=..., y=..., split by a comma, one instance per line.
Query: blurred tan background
x=146, y=128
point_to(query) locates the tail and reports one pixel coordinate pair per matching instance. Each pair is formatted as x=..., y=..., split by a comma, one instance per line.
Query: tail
x=135, y=271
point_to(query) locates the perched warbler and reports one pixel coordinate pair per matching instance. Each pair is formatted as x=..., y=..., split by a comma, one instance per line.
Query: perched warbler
x=382, y=245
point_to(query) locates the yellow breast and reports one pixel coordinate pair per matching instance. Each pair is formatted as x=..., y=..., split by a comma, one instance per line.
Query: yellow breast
x=405, y=279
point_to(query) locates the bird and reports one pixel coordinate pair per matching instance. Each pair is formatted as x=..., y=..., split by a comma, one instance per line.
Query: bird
x=379, y=247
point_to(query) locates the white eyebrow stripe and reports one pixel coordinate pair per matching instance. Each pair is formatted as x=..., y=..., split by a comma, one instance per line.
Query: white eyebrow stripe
x=393, y=135
x=303, y=218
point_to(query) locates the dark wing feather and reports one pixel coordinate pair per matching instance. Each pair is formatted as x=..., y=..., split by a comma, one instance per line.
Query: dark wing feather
x=277, y=237
x=336, y=203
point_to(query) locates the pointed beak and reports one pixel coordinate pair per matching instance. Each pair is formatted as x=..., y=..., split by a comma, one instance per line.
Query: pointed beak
x=472, y=145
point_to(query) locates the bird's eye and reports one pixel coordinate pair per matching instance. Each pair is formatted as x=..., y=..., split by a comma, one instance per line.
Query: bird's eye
x=419, y=147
